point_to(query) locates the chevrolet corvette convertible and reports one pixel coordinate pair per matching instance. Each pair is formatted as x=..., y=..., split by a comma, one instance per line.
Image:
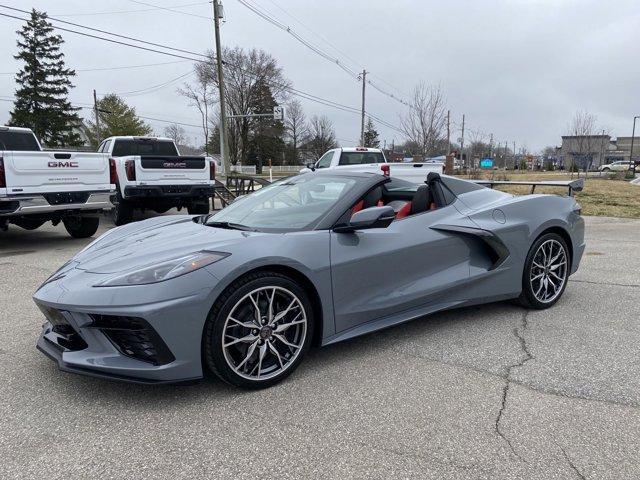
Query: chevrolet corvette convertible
x=312, y=259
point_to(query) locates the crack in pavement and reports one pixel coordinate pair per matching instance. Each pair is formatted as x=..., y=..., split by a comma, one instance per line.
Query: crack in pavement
x=555, y=393
x=519, y=333
x=572, y=465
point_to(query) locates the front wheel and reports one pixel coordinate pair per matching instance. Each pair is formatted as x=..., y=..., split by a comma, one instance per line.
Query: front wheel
x=258, y=331
x=81, y=227
x=606, y=169
x=546, y=271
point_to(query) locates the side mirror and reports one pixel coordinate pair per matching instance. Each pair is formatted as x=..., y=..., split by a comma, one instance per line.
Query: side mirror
x=374, y=217
x=311, y=166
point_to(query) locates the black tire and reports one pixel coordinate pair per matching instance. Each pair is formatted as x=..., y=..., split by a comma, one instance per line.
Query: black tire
x=122, y=211
x=200, y=208
x=214, y=356
x=528, y=298
x=81, y=227
x=607, y=169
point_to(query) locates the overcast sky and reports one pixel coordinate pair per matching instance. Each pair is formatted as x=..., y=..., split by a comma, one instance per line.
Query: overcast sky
x=518, y=69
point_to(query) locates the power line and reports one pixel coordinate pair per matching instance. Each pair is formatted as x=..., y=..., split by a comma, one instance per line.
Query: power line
x=274, y=21
x=152, y=88
x=123, y=67
x=170, y=9
x=111, y=40
x=300, y=93
x=166, y=47
x=321, y=37
x=128, y=11
x=300, y=39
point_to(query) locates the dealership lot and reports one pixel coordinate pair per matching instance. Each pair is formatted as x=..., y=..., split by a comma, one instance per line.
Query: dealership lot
x=487, y=392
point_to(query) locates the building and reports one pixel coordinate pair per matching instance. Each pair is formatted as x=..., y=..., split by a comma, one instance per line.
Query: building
x=621, y=149
x=591, y=151
x=584, y=151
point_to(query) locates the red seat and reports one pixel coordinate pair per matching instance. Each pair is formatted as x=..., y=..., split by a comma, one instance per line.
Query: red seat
x=404, y=211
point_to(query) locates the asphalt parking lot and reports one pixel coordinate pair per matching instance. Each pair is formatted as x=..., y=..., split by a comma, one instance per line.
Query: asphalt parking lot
x=488, y=392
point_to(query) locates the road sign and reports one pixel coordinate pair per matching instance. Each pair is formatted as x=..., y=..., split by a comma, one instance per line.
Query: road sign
x=278, y=112
x=486, y=163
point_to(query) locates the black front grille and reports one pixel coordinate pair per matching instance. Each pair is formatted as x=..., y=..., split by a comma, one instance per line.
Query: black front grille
x=134, y=337
x=64, y=198
x=62, y=332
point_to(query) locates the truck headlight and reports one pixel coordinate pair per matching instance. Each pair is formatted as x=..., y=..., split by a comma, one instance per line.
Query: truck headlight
x=166, y=270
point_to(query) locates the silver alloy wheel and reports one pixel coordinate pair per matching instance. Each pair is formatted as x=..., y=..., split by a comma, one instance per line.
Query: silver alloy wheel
x=548, y=271
x=264, y=333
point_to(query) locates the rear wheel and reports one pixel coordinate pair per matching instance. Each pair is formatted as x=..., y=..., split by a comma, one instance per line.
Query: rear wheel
x=258, y=331
x=122, y=211
x=198, y=208
x=546, y=272
x=81, y=227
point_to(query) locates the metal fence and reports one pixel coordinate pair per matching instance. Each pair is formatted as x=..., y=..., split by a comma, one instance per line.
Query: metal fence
x=285, y=168
x=245, y=169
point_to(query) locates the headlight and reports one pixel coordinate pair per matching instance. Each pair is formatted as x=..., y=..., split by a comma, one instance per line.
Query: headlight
x=165, y=270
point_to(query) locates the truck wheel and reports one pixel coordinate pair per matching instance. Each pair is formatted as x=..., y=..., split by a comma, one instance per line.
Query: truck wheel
x=200, y=208
x=122, y=212
x=81, y=227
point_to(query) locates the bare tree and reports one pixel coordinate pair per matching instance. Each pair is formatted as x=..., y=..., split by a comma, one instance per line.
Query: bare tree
x=247, y=74
x=202, y=96
x=322, y=136
x=176, y=133
x=296, y=127
x=425, y=123
x=584, y=143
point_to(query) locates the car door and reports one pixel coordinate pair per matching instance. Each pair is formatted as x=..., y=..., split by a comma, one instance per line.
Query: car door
x=381, y=272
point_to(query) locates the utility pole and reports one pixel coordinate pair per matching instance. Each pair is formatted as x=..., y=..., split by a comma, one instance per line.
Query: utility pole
x=462, y=146
x=363, y=76
x=217, y=14
x=514, y=156
x=632, y=164
x=95, y=110
x=506, y=149
x=448, y=132
x=491, y=146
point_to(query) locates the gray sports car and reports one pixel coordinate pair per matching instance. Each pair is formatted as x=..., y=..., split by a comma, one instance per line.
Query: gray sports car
x=312, y=259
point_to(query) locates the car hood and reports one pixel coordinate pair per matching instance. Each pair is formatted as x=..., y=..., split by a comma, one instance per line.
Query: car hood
x=153, y=241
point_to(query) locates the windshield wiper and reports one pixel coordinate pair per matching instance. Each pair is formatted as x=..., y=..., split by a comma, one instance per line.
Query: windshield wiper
x=230, y=226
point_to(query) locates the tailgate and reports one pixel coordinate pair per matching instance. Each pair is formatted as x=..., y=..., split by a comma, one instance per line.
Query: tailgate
x=37, y=172
x=173, y=169
x=414, y=172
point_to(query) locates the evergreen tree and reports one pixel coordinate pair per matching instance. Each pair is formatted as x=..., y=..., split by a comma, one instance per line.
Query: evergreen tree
x=116, y=118
x=371, y=135
x=266, y=134
x=43, y=85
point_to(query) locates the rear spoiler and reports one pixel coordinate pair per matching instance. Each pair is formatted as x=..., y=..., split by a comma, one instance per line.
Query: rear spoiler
x=573, y=185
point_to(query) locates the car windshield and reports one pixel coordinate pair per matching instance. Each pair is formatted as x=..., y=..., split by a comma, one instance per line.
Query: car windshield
x=292, y=204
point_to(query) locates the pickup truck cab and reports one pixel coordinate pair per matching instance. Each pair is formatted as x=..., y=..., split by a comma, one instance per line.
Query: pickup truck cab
x=363, y=159
x=38, y=186
x=152, y=175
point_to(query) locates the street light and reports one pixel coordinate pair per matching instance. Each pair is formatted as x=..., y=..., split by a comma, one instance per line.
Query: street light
x=632, y=164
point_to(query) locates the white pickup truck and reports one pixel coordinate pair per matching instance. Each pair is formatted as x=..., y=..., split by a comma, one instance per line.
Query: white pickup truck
x=151, y=174
x=39, y=186
x=361, y=159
